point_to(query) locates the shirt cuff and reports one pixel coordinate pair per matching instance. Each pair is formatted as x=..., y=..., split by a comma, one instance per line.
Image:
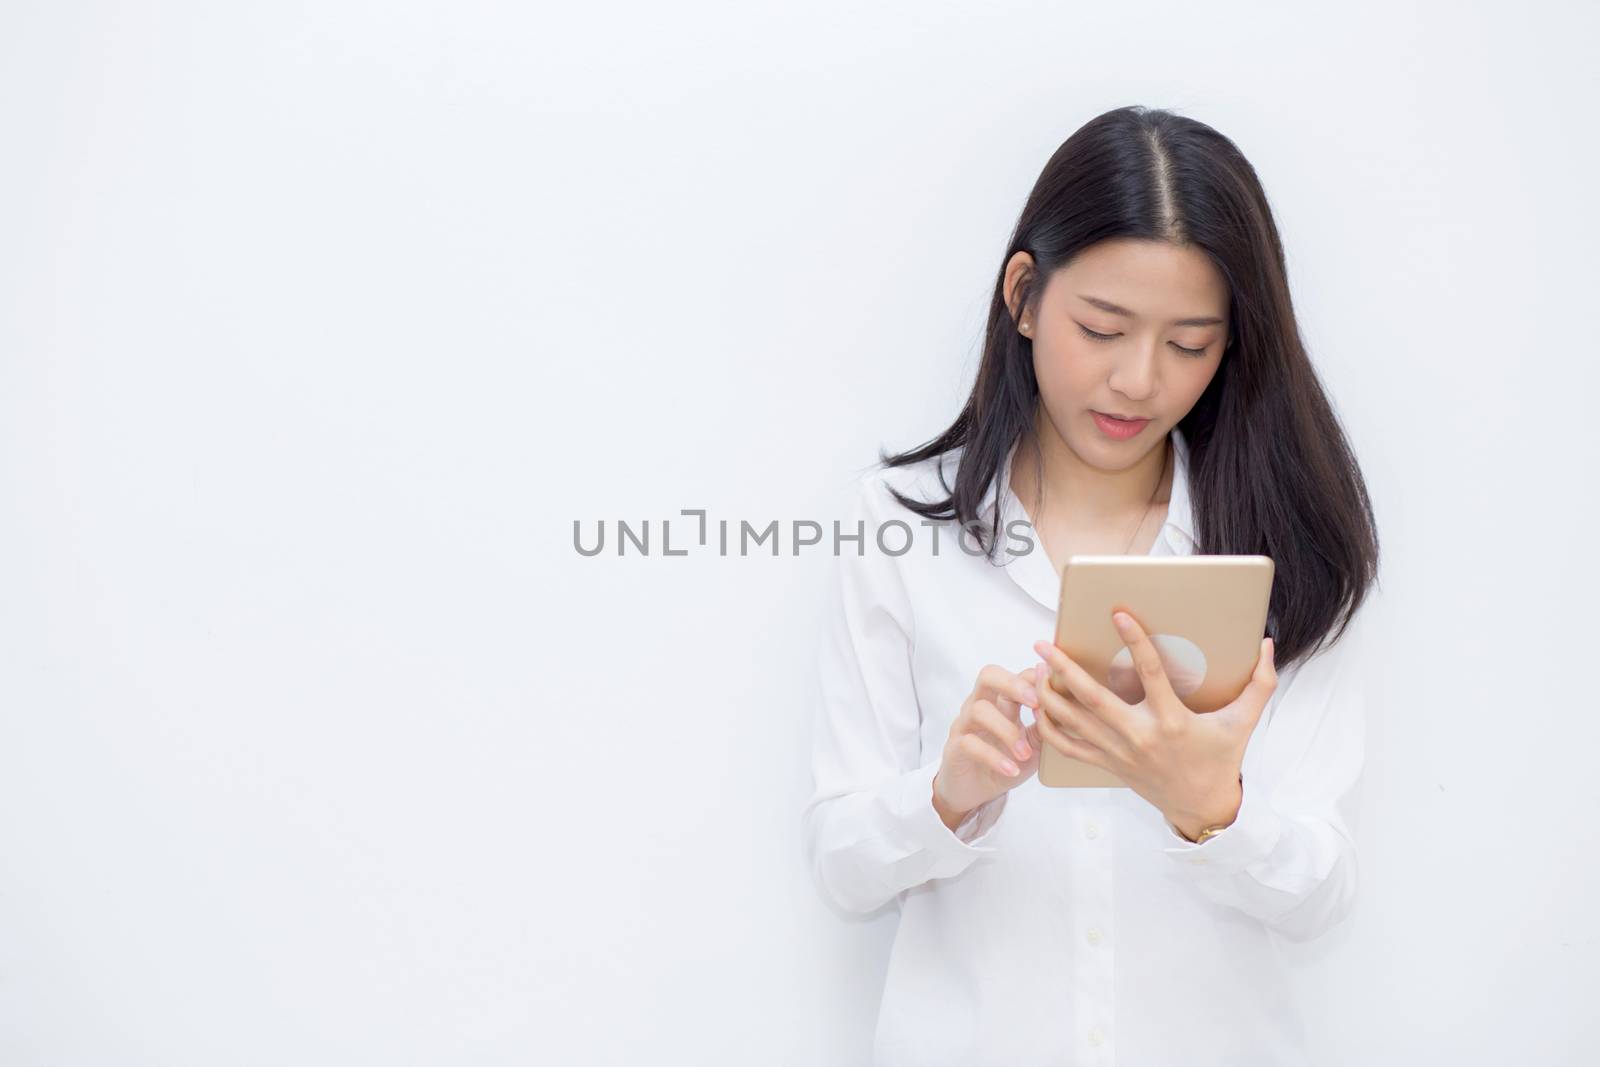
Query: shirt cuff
x=1251, y=836
x=953, y=851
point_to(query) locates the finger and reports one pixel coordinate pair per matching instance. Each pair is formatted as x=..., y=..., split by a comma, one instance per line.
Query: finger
x=1263, y=680
x=1011, y=712
x=987, y=755
x=984, y=718
x=995, y=681
x=1158, y=691
x=1076, y=748
x=1033, y=677
x=1069, y=679
x=1069, y=716
x=1006, y=732
x=1012, y=709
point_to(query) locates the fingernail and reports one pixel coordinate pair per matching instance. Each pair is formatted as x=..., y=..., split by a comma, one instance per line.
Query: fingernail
x=1020, y=747
x=1009, y=767
x=1122, y=620
x=1030, y=697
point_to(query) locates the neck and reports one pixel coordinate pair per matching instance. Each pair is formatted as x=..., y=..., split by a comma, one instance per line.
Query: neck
x=1093, y=494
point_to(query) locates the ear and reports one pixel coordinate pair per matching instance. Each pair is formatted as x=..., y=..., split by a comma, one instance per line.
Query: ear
x=1018, y=267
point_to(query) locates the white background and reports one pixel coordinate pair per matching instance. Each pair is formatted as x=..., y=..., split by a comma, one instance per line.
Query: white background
x=321, y=323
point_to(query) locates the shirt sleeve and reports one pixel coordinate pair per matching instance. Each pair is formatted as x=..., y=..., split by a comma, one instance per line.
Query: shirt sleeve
x=870, y=828
x=1289, y=858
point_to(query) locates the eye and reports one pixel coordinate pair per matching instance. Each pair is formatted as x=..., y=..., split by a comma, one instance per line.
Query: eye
x=1091, y=335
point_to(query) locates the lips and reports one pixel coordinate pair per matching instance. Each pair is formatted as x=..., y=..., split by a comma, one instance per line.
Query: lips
x=1118, y=429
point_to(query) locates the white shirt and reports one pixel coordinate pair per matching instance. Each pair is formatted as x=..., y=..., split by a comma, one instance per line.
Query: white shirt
x=1059, y=926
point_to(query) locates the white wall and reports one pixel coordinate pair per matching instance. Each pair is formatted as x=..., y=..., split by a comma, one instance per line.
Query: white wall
x=319, y=743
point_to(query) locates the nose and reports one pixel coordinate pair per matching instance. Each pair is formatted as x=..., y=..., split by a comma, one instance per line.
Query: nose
x=1133, y=375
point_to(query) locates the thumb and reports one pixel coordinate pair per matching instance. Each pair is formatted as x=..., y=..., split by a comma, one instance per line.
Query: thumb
x=1035, y=676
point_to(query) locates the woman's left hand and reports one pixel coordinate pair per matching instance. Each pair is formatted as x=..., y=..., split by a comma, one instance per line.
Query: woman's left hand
x=1184, y=763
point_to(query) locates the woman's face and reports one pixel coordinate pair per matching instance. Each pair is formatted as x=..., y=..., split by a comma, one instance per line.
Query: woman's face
x=1160, y=350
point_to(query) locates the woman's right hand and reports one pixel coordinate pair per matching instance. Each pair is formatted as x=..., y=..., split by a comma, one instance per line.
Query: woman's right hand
x=989, y=751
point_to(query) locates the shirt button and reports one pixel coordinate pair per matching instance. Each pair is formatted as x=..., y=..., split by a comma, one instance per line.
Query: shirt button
x=1097, y=1036
x=1091, y=831
x=1094, y=935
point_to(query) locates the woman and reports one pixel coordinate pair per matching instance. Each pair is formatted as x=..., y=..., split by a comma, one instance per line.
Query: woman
x=1144, y=389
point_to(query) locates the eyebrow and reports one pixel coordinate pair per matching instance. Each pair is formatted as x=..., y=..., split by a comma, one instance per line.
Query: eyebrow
x=1106, y=305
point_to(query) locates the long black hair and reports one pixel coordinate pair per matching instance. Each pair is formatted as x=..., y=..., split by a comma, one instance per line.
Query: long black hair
x=1271, y=470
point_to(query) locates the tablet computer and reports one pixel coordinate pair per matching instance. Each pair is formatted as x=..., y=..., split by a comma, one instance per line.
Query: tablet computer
x=1206, y=616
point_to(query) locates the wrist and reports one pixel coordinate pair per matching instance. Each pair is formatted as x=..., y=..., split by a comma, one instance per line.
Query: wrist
x=947, y=815
x=1220, y=813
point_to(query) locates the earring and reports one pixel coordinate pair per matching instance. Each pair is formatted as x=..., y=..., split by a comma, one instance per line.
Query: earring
x=1026, y=327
